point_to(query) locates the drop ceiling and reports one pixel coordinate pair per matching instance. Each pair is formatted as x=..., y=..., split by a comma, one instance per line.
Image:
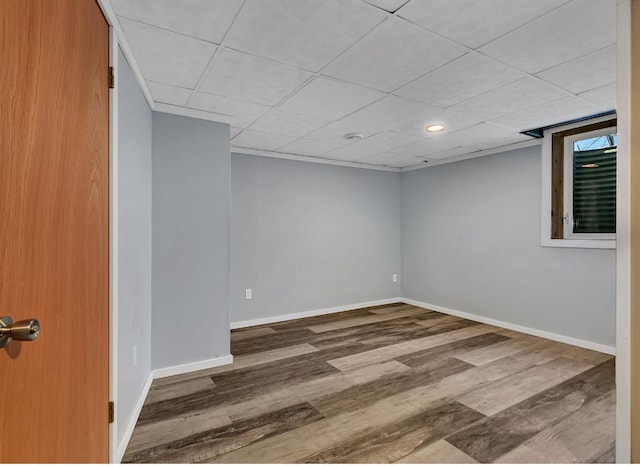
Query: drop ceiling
x=295, y=76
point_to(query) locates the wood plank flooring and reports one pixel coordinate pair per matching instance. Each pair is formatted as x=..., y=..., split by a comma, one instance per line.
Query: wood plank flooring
x=387, y=384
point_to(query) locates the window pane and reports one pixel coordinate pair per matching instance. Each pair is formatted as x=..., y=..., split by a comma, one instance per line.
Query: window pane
x=599, y=142
x=594, y=185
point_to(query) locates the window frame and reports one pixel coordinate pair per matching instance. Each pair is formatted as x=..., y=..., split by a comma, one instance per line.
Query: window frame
x=553, y=175
x=568, y=184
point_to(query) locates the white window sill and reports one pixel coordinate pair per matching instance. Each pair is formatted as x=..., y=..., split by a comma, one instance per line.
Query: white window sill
x=579, y=243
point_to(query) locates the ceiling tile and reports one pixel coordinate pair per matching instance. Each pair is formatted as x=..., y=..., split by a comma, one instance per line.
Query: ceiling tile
x=393, y=54
x=585, y=73
x=468, y=76
x=377, y=117
x=388, y=159
x=246, y=77
x=390, y=140
x=393, y=113
x=574, y=29
x=309, y=147
x=202, y=19
x=410, y=162
x=481, y=136
x=604, y=96
x=167, y=57
x=487, y=135
x=243, y=113
x=555, y=112
x=452, y=121
x=381, y=158
x=473, y=22
x=510, y=98
x=167, y=94
x=449, y=153
x=427, y=146
x=292, y=124
x=340, y=157
x=253, y=139
x=303, y=33
x=387, y=5
x=257, y=77
x=329, y=99
x=438, y=155
x=375, y=144
x=456, y=152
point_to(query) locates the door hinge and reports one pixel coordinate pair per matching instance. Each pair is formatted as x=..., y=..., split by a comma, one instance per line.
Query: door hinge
x=111, y=412
x=112, y=79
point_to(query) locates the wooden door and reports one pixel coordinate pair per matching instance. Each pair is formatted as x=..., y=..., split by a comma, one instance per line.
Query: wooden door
x=54, y=237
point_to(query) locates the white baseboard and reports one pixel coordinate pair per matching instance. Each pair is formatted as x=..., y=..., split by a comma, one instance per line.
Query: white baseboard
x=158, y=374
x=316, y=312
x=126, y=437
x=518, y=328
x=192, y=366
x=445, y=310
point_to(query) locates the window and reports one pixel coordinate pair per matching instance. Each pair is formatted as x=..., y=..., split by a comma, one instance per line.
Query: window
x=590, y=185
x=579, y=171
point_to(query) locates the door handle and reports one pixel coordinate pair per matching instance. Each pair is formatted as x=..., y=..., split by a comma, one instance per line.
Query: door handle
x=23, y=330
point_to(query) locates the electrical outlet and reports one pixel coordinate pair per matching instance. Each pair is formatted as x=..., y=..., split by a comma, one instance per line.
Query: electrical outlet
x=135, y=355
x=248, y=294
x=395, y=277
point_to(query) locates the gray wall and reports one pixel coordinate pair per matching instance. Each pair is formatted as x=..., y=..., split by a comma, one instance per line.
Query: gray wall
x=471, y=242
x=134, y=243
x=191, y=200
x=307, y=236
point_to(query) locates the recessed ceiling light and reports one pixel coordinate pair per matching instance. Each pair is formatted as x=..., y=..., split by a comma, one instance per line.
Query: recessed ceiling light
x=435, y=128
x=353, y=136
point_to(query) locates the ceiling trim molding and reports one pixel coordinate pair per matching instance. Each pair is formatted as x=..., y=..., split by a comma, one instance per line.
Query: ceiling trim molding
x=473, y=155
x=305, y=158
x=112, y=19
x=192, y=113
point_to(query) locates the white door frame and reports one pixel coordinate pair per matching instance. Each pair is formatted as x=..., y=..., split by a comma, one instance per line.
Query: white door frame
x=116, y=43
x=623, y=235
x=109, y=15
x=113, y=247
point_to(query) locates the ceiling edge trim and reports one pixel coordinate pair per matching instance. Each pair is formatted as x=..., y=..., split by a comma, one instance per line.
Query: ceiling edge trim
x=112, y=19
x=192, y=113
x=304, y=158
x=473, y=155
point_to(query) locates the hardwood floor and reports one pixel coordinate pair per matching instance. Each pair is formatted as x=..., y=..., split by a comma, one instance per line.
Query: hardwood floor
x=387, y=384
